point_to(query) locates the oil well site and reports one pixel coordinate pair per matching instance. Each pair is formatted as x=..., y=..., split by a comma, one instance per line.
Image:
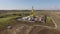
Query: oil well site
x=27, y=22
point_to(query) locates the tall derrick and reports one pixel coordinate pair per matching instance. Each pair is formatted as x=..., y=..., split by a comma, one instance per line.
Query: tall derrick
x=32, y=12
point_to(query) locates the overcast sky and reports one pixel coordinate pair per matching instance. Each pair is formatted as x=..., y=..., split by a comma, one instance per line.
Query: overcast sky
x=27, y=4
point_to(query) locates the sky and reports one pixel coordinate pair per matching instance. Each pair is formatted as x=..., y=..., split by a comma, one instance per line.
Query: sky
x=27, y=4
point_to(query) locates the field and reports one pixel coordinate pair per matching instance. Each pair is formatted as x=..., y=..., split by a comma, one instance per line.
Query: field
x=7, y=17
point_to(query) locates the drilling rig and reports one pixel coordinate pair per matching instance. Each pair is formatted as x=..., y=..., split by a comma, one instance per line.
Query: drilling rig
x=32, y=13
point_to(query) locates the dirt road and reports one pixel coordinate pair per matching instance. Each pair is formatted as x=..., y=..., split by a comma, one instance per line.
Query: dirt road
x=25, y=29
x=57, y=21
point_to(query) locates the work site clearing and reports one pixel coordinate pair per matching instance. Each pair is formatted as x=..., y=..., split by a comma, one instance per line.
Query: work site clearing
x=32, y=22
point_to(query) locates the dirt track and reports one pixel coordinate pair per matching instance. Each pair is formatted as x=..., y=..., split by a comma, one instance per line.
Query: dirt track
x=56, y=18
x=26, y=29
